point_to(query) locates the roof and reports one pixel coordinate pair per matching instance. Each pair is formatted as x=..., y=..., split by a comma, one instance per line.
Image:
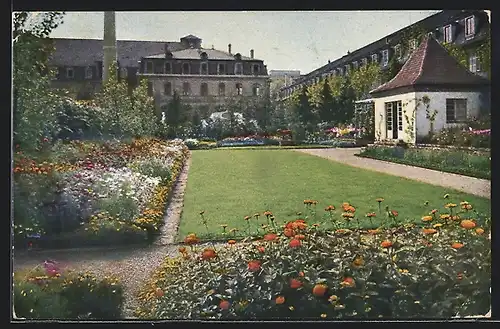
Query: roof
x=194, y=53
x=430, y=64
x=192, y=37
x=83, y=52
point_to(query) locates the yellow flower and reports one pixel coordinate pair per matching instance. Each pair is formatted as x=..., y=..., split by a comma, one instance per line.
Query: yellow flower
x=445, y=216
x=437, y=225
x=427, y=218
x=450, y=205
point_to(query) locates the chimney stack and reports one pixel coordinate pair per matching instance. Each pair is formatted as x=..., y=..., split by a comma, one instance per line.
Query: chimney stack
x=251, y=53
x=109, y=44
x=229, y=48
x=166, y=48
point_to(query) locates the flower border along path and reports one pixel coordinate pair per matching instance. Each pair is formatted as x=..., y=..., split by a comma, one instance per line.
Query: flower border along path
x=471, y=185
x=132, y=266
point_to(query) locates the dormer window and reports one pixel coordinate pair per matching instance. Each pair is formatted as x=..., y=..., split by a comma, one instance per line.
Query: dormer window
x=397, y=51
x=237, y=57
x=238, y=68
x=221, y=68
x=447, y=34
x=364, y=61
x=256, y=69
x=374, y=58
x=355, y=65
x=204, y=68
x=346, y=69
x=385, y=57
x=413, y=44
x=470, y=28
x=186, y=68
x=149, y=67
x=168, y=68
x=340, y=71
x=204, y=55
x=70, y=73
x=88, y=72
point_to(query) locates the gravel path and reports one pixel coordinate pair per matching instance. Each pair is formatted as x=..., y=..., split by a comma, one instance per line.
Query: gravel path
x=471, y=185
x=132, y=266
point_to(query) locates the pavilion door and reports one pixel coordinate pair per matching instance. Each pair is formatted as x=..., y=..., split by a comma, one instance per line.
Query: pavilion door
x=394, y=119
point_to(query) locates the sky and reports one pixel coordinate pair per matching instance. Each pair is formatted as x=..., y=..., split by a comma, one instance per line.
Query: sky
x=283, y=40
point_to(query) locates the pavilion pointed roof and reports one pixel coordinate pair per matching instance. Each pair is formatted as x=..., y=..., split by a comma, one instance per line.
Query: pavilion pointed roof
x=430, y=65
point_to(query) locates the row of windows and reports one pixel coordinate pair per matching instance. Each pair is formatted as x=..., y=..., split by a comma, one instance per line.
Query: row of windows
x=89, y=72
x=469, y=29
x=186, y=68
x=186, y=89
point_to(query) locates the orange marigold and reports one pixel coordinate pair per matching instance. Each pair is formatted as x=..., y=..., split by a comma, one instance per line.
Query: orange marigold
x=371, y=214
x=208, y=253
x=394, y=213
x=295, y=284
x=386, y=244
x=182, y=250
x=300, y=237
x=254, y=265
x=429, y=231
x=373, y=231
x=270, y=237
x=280, y=300
x=427, y=218
x=457, y=245
x=330, y=208
x=268, y=213
x=289, y=232
x=347, y=215
x=467, y=224
x=231, y=242
x=319, y=290
x=445, y=216
x=479, y=231
x=348, y=281
x=294, y=243
x=350, y=209
x=191, y=239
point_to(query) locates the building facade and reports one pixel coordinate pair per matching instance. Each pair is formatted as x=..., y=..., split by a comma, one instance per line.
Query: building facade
x=466, y=28
x=203, y=76
x=288, y=76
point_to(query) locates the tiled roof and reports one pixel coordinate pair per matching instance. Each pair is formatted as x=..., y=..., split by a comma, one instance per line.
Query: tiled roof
x=194, y=53
x=431, y=64
x=83, y=52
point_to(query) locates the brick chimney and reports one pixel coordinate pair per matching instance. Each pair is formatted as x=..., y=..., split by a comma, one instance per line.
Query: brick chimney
x=165, y=47
x=229, y=48
x=251, y=53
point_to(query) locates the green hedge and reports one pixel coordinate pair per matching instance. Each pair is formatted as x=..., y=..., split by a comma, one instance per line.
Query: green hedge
x=453, y=161
x=49, y=293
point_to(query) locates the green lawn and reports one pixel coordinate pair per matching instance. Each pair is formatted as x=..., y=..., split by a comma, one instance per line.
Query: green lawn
x=231, y=184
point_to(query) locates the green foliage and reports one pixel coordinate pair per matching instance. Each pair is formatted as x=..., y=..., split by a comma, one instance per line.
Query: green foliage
x=79, y=120
x=152, y=167
x=458, y=53
x=124, y=114
x=447, y=160
x=364, y=79
x=304, y=273
x=39, y=294
x=35, y=105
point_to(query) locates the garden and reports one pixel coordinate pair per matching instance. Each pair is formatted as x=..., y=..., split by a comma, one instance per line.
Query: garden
x=439, y=266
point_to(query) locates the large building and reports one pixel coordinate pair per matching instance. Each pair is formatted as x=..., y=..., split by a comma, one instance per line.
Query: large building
x=204, y=76
x=288, y=76
x=201, y=76
x=466, y=28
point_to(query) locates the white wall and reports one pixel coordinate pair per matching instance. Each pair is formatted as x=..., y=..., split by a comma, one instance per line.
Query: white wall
x=438, y=102
x=408, y=102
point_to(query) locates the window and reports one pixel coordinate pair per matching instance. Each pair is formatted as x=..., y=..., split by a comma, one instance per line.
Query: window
x=456, y=110
x=186, y=69
x=222, y=89
x=204, y=89
x=385, y=57
x=70, y=73
x=168, y=68
x=388, y=115
x=256, y=69
x=346, y=69
x=474, y=63
x=397, y=51
x=88, y=73
x=150, y=88
x=355, y=65
x=469, y=27
x=413, y=44
x=221, y=69
x=256, y=90
x=149, y=67
x=186, y=89
x=123, y=73
x=167, y=89
x=447, y=34
x=374, y=58
x=238, y=68
x=204, y=68
x=364, y=61
x=239, y=89
x=400, y=115
x=340, y=71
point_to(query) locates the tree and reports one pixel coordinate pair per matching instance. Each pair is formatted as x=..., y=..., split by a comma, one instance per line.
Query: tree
x=173, y=115
x=327, y=103
x=364, y=79
x=35, y=105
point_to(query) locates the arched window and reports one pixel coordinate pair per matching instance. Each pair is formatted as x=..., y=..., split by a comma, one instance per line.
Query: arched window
x=222, y=89
x=204, y=89
x=238, y=68
x=256, y=90
x=239, y=89
x=204, y=68
x=186, y=68
x=168, y=68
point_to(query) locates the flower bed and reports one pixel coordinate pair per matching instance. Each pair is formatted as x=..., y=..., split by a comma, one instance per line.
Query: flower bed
x=297, y=271
x=49, y=292
x=107, y=193
x=447, y=160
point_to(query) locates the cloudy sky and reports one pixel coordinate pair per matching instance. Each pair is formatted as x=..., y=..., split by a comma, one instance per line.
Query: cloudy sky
x=284, y=40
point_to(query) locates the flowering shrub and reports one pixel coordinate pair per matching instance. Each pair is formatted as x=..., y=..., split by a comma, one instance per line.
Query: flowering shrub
x=49, y=292
x=459, y=136
x=110, y=189
x=439, y=270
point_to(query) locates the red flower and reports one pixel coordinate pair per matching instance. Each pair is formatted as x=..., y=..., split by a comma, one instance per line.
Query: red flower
x=294, y=243
x=294, y=284
x=224, y=305
x=394, y=213
x=288, y=232
x=319, y=290
x=300, y=237
x=261, y=249
x=348, y=281
x=208, y=253
x=270, y=237
x=386, y=244
x=159, y=292
x=254, y=265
